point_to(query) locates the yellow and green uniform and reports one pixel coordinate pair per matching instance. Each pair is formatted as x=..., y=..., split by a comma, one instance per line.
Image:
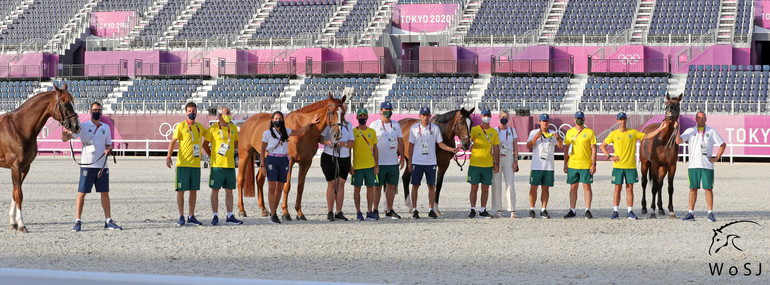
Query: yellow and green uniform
x=580, y=160
x=222, y=166
x=482, y=159
x=363, y=157
x=188, y=165
x=624, y=144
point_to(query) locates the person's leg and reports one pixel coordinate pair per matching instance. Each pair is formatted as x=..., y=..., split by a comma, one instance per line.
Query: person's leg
x=273, y=195
x=370, y=204
x=214, y=200
x=630, y=195
x=229, y=200
x=693, y=197
x=473, y=194
x=616, y=196
x=532, y=195
x=572, y=195
x=709, y=199
x=180, y=202
x=79, y=201
x=357, y=197
x=192, y=200
x=588, y=195
x=432, y=196
x=390, y=195
x=330, y=196
x=544, y=197
x=105, y=204
x=340, y=193
x=484, y=195
x=414, y=195
x=509, y=189
x=496, y=194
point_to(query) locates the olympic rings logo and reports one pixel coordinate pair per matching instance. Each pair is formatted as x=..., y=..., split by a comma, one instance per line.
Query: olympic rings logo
x=168, y=131
x=629, y=58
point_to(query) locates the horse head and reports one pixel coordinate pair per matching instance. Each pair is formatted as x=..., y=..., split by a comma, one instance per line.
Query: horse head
x=722, y=239
x=335, y=115
x=64, y=111
x=672, y=107
x=462, y=127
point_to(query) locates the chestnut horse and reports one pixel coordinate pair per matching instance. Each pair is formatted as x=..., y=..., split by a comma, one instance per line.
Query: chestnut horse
x=452, y=123
x=302, y=149
x=18, y=138
x=658, y=158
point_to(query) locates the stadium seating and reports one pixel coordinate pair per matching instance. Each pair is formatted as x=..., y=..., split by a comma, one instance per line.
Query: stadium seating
x=88, y=91
x=42, y=20
x=317, y=88
x=684, y=17
x=165, y=17
x=448, y=92
x=727, y=88
x=13, y=93
x=622, y=93
x=219, y=17
x=256, y=94
x=536, y=93
x=590, y=17
x=744, y=20
x=139, y=6
x=147, y=95
x=7, y=6
x=506, y=18
x=359, y=18
x=291, y=19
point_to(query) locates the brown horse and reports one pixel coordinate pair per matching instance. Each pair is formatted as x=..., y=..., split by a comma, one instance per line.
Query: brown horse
x=658, y=157
x=302, y=149
x=18, y=138
x=453, y=123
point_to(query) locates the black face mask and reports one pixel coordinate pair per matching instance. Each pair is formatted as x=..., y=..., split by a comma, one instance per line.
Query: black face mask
x=579, y=121
x=362, y=121
x=278, y=124
x=96, y=115
x=503, y=121
x=191, y=116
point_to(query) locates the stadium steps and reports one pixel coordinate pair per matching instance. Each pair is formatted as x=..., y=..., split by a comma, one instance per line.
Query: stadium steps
x=289, y=92
x=386, y=84
x=552, y=21
x=480, y=85
x=469, y=14
x=77, y=28
x=149, y=15
x=642, y=21
x=112, y=98
x=333, y=26
x=180, y=22
x=676, y=84
x=574, y=93
x=379, y=22
x=15, y=14
x=256, y=20
x=727, y=13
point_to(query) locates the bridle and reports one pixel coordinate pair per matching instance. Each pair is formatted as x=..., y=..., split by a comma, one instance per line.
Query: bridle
x=455, y=129
x=672, y=139
x=340, y=121
x=62, y=118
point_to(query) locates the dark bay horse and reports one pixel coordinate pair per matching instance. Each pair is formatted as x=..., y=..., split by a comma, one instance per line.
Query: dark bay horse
x=452, y=123
x=302, y=149
x=18, y=138
x=658, y=158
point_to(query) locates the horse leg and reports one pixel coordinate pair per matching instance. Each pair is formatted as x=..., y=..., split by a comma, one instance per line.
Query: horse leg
x=671, y=172
x=18, y=196
x=405, y=179
x=645, y=169
x=439, y=183
x=260, y=192
x=660, y=176
x=303, y=169
x=12, y=216
x=286, y=187
x=243, y=160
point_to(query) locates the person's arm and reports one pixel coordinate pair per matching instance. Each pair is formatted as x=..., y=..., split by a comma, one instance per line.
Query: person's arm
x=657, y=131
x=410, y=150
x=515, y=155
x=305, y=128
x=593, y=159
x=496, y=157
x=376, y=154
x=531, y=142
x=559, y=142
x=566, y=157
x=401, y=153
x=263, y=157
x=606, y=153
x=171, y=146
x=206, y=147
x=719, y=153
x=448, y=148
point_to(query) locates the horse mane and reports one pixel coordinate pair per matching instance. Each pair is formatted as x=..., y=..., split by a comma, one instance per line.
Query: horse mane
x=29, y=100
x=315, y=106
x=446, y=117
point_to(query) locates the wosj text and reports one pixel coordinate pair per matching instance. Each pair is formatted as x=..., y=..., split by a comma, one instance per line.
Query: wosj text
x=747, y=269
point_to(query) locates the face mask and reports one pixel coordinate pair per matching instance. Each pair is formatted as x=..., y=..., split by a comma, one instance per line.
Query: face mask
x=504, y=121
x=278, y=124
x=191, y=116
x=362, y=121
x=96, y=115
x=226, y=118
x=486, y=120
x=579, y=121
x=387, y=114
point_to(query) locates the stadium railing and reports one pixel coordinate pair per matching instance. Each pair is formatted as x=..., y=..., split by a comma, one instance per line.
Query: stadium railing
x=628, y=66
x=437, y=67
x=366, y=67
x=70, y=71
x=532, y=66
x=200, y=69
x=10, y=72
x=251, y=69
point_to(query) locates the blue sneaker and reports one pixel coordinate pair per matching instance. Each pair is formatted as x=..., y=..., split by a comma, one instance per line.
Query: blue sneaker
x=215, y=221
x=711, y=217
x=376, y=215
x=193, y=220
x=360, y=216
x=233, y=221
x=76, y=228
x=631, y=216
x=180, y=222
x=614, y=215
x=689, y=217
x=370, y=216
x=112, y=226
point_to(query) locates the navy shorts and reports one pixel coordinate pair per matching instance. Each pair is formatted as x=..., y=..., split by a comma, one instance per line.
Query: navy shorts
x=89, y=180
x=277, y=168
x=419, y=170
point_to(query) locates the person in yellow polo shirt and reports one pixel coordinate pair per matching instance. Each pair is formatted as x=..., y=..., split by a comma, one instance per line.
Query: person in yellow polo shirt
x=190, y=135
x=365, y=166
x=224, y=142
x=485, y=156
x=580, y=163
x=623, y=140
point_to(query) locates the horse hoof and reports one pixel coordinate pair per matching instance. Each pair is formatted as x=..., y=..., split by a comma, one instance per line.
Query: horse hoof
x=652, y=216
x=23, y=230
x=644, y=211
x=265, y=213
x=301, y=218
x=241, y=214
x=286, y=217
x=672, y=215
x=14, y=227
x=661, y=212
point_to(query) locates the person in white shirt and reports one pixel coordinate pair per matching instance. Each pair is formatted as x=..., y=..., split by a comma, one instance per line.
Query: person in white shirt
x=94, y=171
x=542, y=142
x=509, y=164
x=700, y=170
x=423, y=139
x=390, y=144
x=335, y=164
x=275, y=154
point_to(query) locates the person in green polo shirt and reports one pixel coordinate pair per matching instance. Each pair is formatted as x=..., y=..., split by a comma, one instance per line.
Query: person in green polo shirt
x=624, y=140
x=365, y=166
x=224, y=141
x=485, y=157
x=580, y=163
x=190, y=135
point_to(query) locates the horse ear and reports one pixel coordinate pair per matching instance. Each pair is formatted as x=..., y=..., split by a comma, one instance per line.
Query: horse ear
x=65, y=86
x=343, y=98
x=472, y=109
x=668, y=96
x=681, y=97
x=330, y=96
x=56, y=87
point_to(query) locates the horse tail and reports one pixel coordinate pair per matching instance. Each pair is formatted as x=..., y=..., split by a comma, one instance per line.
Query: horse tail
x=248, y=173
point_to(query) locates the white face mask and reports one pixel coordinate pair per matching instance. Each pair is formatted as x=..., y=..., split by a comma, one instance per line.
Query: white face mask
x=486, y=120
